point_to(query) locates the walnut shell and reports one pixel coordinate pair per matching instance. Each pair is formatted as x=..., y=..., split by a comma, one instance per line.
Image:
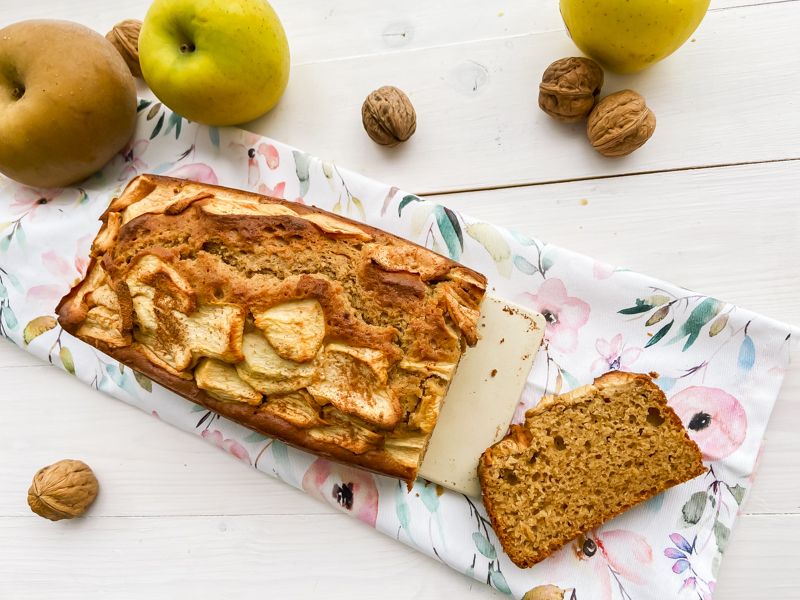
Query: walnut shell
x=620, y=124
x=388, y=116
x=63, y=490
x=125, y=37
x=570, y=88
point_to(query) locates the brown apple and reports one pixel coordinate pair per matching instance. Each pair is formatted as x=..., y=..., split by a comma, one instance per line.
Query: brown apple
x=67, y=102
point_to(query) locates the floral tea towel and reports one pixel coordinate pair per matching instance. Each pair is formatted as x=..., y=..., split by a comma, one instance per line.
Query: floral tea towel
x=721, y=366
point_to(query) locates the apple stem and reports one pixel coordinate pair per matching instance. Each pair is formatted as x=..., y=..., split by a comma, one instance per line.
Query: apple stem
x=18, y=92
x=186, y=48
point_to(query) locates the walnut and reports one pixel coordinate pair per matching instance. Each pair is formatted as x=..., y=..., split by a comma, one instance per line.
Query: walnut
x=620, y=124
x=570, y=88
x=388, y=116
x=125, y=37
x=63, y=490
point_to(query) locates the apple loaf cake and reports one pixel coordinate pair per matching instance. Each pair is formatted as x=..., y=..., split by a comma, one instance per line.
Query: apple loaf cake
x=581, y=459
x=322, y=332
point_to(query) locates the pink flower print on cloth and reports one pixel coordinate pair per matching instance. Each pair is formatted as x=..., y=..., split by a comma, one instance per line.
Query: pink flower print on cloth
x=277, y=192
x=36, y=203
x=199, y=172
x=683, y=553
x=613, y=357
x=601, y=561
x=602, y=270
x=564, y=314
x=66, y=274
x=132, y=154
x=351, y=490
x=252, y=148
x=714, y=419
x=230, y=445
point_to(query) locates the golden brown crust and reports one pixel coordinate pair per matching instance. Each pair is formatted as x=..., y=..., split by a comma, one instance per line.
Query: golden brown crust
x=255, y=419
x=611, y=379
x=137, y=188
x=520, y=437
x=125, y=305
x=194, y=267
x=181, y=205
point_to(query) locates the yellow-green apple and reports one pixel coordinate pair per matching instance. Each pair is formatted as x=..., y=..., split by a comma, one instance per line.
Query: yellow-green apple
x=624, y=36
x=67, y=102
x=219, y=62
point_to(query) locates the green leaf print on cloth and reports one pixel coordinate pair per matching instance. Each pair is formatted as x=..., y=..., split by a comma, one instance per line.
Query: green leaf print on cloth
x=37, y=327
x=496, y=245
x=704, y=311
x=701, y=315
x=302, y=163
x=451, y=231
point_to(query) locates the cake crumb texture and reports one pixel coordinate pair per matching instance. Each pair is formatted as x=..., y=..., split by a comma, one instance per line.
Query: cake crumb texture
x=581, y=459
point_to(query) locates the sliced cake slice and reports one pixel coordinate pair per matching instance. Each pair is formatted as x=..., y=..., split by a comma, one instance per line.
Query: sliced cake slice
x=581, y=459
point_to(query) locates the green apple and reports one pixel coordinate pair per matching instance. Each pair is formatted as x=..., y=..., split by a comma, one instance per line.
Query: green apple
x=624, y=36
x=218, y=62
x=67, y=102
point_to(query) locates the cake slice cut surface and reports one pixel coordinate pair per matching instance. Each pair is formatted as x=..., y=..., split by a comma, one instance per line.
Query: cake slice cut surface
x=581, y=459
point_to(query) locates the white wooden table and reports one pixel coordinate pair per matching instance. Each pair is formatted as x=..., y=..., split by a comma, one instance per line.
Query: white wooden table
x=712, y=203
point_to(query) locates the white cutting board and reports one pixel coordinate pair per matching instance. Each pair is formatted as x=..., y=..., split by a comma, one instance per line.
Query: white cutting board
x=484, y=394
